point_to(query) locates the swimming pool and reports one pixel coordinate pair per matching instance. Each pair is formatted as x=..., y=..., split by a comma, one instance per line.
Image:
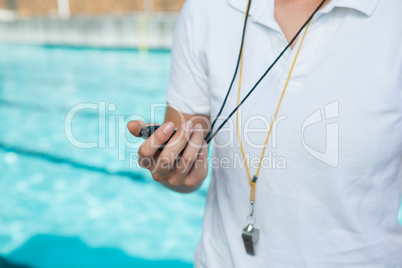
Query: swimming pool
x=66, y=206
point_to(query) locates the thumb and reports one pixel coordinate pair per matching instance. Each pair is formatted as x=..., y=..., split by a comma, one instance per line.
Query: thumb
x=135, y=126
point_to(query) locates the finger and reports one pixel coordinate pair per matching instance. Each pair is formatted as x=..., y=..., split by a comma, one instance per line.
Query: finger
x=191, y=151
x=152, y=144
x=135, y=127
x=199, y=170
x=186, y=161
x=175, y=146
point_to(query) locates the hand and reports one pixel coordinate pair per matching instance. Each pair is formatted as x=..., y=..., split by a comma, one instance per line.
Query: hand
x=183, y=161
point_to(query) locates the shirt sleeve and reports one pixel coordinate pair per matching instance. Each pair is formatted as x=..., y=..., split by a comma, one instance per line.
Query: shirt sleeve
x=188, y=90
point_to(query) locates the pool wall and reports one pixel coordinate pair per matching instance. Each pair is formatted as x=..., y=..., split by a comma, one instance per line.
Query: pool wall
x=140, y=30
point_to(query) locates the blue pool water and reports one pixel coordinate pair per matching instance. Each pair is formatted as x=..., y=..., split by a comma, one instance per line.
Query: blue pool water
x=67, y=206
x=62, y=206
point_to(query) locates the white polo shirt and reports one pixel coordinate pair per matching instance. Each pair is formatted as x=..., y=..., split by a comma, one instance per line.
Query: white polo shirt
x=330, y=188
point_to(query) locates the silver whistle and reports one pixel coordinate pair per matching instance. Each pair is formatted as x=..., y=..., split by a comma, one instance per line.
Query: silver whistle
x=250, y=238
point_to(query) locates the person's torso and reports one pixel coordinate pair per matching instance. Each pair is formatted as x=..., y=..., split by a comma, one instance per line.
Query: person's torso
x=329, y=190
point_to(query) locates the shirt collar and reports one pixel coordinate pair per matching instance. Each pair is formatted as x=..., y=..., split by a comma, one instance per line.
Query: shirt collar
x=241, y=5
x=367, y=7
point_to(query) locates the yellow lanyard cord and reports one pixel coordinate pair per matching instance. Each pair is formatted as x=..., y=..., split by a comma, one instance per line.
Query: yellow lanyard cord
x=252, y=183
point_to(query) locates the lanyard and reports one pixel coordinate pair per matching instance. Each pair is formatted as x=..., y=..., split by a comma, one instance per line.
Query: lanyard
x=253, y=179
x=251, y=234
